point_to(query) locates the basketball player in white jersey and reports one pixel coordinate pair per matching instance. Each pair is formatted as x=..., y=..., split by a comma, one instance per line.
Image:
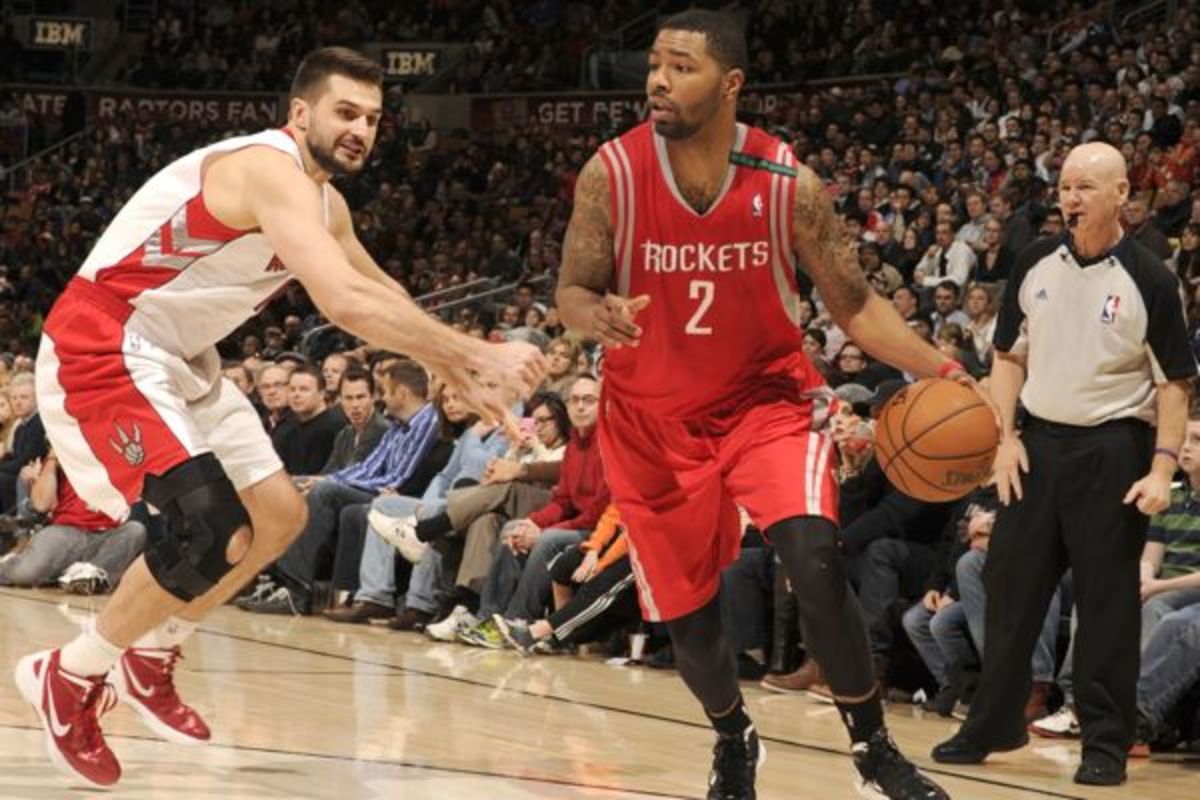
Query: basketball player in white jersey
x=130, y=387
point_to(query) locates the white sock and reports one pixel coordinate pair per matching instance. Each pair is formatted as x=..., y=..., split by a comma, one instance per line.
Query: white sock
x=172, y=632
x=89, y=653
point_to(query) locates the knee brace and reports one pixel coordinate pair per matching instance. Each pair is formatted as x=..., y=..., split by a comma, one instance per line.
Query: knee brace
x=808, y=550
x=201, y=512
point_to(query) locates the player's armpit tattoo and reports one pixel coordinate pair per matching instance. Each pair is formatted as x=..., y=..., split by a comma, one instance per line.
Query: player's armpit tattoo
x=825, y=249
x=587, y=259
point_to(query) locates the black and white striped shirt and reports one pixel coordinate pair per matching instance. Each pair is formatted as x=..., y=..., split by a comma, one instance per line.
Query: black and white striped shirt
x=1098, y=333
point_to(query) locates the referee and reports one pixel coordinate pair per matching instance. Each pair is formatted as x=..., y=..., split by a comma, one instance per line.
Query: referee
x=1092, y=339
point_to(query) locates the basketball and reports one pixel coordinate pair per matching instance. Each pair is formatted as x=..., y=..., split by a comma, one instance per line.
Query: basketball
x=935, y=440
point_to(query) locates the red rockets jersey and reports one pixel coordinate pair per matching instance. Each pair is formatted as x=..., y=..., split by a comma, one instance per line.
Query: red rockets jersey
x=722, y=325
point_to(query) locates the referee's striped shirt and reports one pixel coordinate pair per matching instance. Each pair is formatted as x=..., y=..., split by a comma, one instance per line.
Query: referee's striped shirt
x=1097, y=333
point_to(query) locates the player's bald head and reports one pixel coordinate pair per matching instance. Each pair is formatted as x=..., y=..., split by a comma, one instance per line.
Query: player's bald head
x=1100, y=161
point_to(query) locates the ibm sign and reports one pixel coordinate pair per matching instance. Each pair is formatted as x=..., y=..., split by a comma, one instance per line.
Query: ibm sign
x=411, y=63
x=61, y=33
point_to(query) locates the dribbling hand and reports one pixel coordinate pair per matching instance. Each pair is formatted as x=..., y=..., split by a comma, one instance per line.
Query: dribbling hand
x=612, y=320
x=1011, y=461
x=963, y=378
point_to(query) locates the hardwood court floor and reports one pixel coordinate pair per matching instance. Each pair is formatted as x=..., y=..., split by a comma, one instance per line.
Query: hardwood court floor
x=304, y=708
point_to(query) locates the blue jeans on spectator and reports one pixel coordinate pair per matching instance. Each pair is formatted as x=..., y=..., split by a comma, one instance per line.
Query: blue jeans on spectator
x=941, y=638
x=347, y=559
x=1159, y=607
x=969, y=574
x=746, y=587
x=519, y=586
x=377, y=573
x=319, y=538
x=889, y=570
x=55, y=547
x=1154, y=611
x=1170, y=664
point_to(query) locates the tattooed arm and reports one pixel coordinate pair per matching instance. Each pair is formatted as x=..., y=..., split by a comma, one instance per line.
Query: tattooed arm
x=827, y=253
x=585, y=303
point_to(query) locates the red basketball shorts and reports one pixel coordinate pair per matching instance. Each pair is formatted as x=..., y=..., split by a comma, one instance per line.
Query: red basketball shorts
x=678, y=485
x=117, y=407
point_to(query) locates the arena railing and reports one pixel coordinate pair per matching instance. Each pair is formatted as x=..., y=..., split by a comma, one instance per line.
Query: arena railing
x=489, y=282
x=484, y=295
x=313, y=334
x=9, y=173
x=1145, y=13
x=637, y=32
x=1122, y=15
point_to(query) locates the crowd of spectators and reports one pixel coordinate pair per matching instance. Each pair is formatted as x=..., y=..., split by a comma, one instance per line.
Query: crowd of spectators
x=942, y=175
x=496, y=45
x=507, y=46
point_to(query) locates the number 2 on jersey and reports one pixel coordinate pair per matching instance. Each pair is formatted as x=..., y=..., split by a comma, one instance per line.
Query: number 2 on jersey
x=704, y=292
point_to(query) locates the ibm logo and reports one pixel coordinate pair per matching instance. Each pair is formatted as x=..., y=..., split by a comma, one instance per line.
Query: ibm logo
x=409, y=63
x=52, y=33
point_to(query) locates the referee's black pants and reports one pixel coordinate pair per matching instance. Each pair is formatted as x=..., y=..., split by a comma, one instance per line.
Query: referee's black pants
x=1071, y=516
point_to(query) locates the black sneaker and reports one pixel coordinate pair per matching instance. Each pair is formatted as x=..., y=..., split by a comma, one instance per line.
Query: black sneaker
x=885, y=774
x=262, y=589
x=281, y=601
x=736, y=759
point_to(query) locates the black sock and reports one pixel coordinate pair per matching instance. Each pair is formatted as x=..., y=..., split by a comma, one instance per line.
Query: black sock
x=862, y=719
x=465, y=597
x=429, y=529
x=732, y=722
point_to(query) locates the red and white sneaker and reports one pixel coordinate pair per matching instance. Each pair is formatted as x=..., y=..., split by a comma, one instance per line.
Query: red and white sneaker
x=70, y=707
x=144, y=678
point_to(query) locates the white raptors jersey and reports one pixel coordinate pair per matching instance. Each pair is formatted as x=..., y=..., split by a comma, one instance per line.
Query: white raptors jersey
x=190, y=280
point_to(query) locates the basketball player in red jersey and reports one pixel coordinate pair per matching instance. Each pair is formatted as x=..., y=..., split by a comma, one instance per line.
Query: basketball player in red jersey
x=680, y=259
x=130, y=386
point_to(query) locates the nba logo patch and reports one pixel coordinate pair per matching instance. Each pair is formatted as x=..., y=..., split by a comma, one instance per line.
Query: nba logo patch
x=756, y=205
x=1108, y=315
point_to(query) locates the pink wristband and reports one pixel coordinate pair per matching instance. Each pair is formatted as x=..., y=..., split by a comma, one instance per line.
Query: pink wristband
x=948, y=367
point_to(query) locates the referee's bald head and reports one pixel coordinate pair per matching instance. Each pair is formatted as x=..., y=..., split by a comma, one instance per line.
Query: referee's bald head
x=1092, y=186
x=1099, y=159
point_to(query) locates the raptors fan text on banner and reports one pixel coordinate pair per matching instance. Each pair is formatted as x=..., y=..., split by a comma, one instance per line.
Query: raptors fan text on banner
x=246, y=110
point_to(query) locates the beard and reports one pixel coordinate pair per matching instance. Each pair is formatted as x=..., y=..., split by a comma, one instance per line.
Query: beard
x=325, y=156
x=676, y=130
x=680, y=128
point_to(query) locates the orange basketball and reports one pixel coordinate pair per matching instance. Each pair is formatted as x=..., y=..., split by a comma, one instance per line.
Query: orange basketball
x=935, y=440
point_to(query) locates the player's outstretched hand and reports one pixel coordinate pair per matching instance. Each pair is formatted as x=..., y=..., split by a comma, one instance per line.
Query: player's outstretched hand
x=518, y=366
x=1011, y=461
x=612, y=320
x=1152, y=494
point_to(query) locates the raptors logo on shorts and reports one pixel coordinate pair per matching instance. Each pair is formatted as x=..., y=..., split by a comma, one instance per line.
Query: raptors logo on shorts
x=129, y=445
